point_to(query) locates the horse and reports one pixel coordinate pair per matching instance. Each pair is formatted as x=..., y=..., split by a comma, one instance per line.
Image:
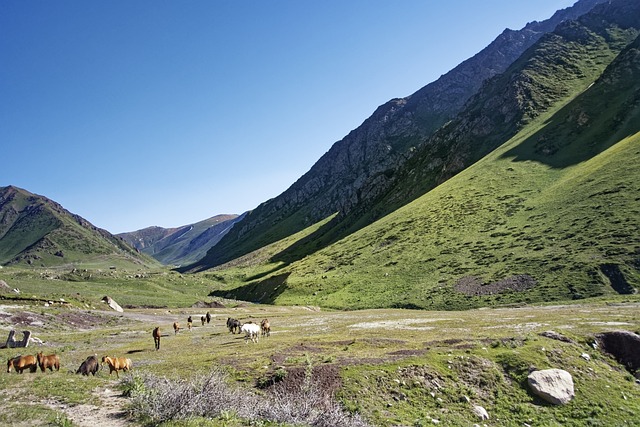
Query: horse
x=189, y=322
x=51, y=361
x=20, y=363
x=176, y=327
x=117, y=364
x=156, y=337
x=251, y=331
x=265, y=327
x=89, y=366
x=233, y=325
x=208, y=317
x=202, y=320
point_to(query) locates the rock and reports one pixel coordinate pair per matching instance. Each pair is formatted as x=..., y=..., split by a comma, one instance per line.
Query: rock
x=114, y=305
x=480, y=412
x=624, y=346
x=585, y=356
x=553, y=385
x=556, y=336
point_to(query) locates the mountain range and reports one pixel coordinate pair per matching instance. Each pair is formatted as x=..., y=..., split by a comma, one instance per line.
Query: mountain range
x=513, y=178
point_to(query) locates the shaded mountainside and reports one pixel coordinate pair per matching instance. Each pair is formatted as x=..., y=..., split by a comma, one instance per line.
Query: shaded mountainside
x=181, y=245
x=548, y=210
x=37, y=231
x=358, y=170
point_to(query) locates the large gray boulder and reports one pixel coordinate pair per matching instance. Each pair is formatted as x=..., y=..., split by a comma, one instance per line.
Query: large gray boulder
x=553, y=385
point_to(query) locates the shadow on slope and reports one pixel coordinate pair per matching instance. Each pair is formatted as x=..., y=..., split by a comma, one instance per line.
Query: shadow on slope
x=603, y=115
x=264, y=291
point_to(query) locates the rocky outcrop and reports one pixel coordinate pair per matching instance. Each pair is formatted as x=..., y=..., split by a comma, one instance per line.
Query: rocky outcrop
x=553, y=385
x=624, y=346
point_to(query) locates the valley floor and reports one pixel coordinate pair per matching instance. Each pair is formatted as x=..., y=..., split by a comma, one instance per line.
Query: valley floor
x=364, y=355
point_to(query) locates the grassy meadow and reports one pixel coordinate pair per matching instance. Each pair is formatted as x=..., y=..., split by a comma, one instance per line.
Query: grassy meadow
x=392, y=366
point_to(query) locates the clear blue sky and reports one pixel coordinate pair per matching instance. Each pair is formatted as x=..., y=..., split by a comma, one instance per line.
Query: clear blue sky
x=136, y=113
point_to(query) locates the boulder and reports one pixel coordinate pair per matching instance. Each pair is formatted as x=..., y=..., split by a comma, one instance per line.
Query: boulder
x=624, y=346
x=553, y=385
x=480, y=412
x=114, y=305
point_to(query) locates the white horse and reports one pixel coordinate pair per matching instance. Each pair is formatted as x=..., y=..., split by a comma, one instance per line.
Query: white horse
x=251, y=332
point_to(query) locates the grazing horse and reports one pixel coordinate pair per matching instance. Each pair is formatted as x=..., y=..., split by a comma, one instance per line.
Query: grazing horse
x=176, y=327
x=251, y=331
x=51, y=361
x=20, y=363
x=208, y=317
x=89, y=366
x=117, y=364
x=156, y=337
x=189, y=322
x=234, y=325
x=265, y=327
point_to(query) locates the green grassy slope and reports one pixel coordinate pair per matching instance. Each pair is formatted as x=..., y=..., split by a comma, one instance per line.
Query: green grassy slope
x=551, y=215
x=39, y=232
x=551, y=73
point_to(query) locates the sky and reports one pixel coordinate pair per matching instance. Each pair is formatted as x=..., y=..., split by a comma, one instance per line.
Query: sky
x=138, y=113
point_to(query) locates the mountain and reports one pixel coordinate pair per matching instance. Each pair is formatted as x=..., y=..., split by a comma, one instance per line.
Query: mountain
x=181, y=245
x=37, y=231
x=358, y=170
x=530, y=193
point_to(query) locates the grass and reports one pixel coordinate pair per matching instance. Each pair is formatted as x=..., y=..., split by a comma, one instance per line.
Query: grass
x=393, y=367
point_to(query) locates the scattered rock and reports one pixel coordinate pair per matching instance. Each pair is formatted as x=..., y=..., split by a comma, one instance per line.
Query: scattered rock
x=585, y=356
x=624, y=346
x=480, y=412
x=114, y=305
x=553, y=385
x=556, y=336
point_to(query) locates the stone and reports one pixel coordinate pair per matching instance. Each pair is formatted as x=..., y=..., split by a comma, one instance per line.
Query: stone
x=480, y=412
x=624, y=346
x=114, y=305
x=553, y=385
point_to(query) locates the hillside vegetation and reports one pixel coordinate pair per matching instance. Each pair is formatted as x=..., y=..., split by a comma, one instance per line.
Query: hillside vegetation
x=358, y=171
x=552, y=214
x=38, y=232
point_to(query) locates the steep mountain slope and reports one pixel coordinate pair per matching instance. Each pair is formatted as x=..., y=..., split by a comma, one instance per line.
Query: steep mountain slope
x=181, y=245
x=37, y=231
x=552, y=214
x=359, y=169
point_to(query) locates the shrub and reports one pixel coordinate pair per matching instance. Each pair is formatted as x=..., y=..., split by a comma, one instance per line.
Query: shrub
x=159, y=400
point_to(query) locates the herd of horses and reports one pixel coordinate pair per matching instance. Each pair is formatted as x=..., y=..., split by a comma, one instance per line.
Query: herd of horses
x=90, y=366
x=52, y=361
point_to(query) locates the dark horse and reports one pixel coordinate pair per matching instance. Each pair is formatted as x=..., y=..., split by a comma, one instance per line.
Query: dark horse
x=208, y=317
x=156, y=337
x=233, y=325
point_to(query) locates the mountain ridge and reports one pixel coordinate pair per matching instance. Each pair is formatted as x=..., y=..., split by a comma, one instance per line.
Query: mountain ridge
x=358, y=169
x=38, y=230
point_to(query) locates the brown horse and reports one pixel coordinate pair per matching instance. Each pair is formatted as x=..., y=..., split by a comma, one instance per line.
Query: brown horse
x=156, y=337
x=176, y=327
x=265, y=327
x=20, y=363
x=117, y=364
x=51, y=361
x=202, y=320
x=189, y=323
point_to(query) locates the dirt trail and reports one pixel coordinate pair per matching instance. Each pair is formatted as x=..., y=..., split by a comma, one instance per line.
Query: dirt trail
x=109, y=413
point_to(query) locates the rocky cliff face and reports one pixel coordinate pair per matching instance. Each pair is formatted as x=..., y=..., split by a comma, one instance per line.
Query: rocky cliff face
x=360, y=168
